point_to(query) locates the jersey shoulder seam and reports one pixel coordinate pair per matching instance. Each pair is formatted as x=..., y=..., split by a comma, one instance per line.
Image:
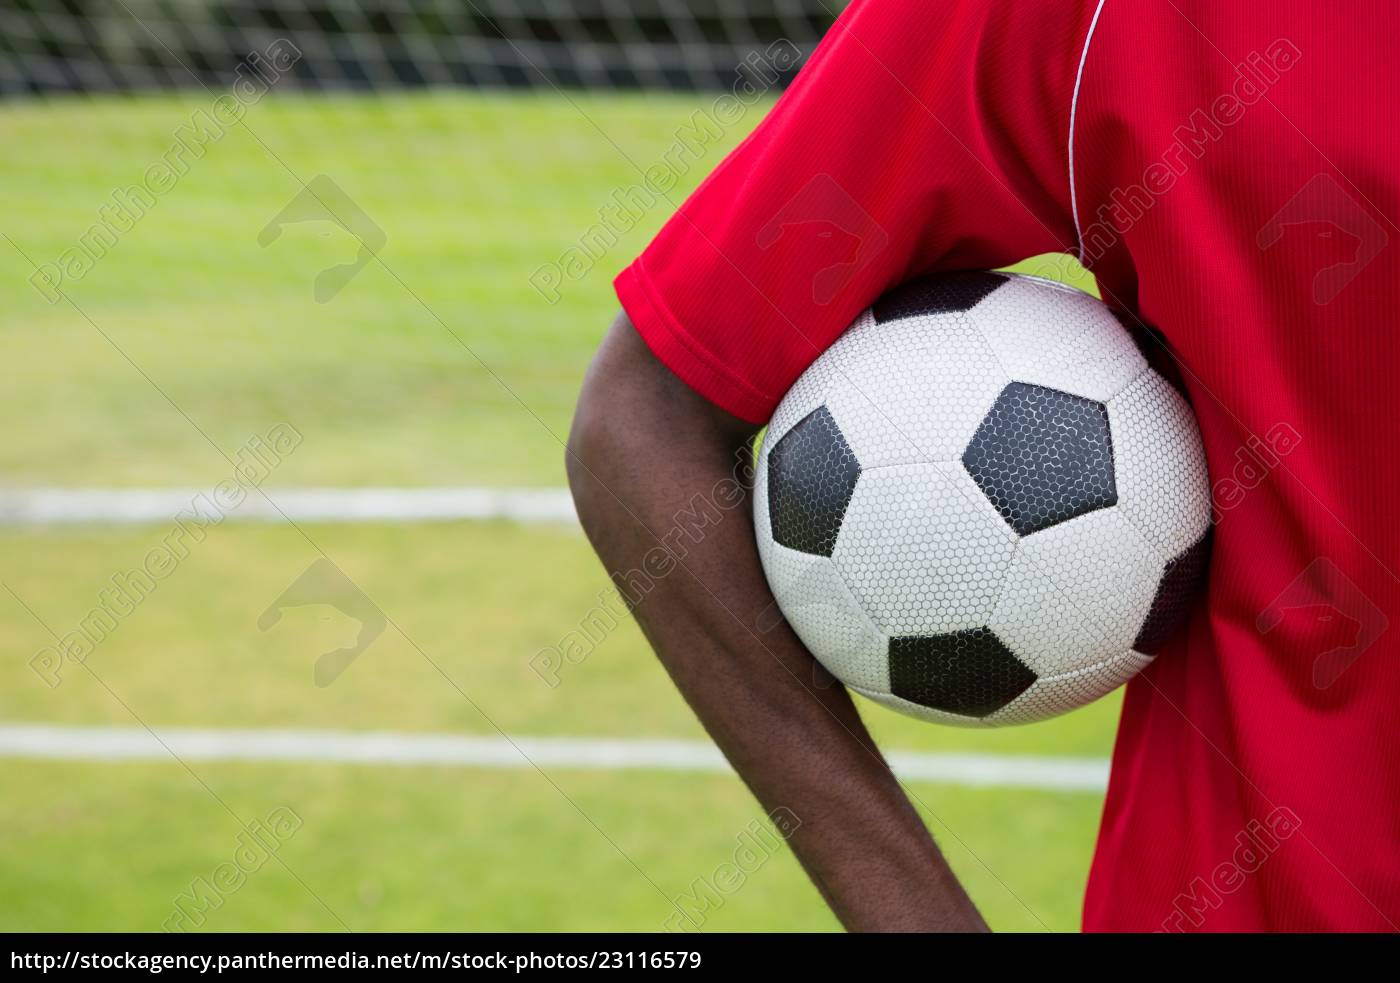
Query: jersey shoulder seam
x=1073, y=111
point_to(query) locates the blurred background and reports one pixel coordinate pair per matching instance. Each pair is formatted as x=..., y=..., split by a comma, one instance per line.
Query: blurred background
x=298, y=630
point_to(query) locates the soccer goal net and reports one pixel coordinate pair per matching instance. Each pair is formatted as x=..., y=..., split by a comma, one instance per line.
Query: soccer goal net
x=94, y=45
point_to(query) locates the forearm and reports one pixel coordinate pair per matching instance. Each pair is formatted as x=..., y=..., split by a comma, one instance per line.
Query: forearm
x=643, y=447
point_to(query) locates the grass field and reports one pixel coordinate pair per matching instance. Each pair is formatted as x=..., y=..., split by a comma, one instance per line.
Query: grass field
x=185, y=339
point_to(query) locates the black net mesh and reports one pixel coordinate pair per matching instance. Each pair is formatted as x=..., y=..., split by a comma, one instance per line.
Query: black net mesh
x=93, y=45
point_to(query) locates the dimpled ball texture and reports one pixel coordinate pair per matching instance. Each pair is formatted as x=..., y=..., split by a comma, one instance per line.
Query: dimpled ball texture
x=981, y=505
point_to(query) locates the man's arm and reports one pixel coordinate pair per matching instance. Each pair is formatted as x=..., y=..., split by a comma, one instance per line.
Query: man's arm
x=643, y=445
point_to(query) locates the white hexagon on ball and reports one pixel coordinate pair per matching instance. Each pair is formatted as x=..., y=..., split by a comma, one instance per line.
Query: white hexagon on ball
x=981, y=506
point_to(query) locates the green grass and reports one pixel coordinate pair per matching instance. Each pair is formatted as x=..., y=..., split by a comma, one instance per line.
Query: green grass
x=415, y=373
x=441, y=366
x=424, y=848
x=192, y=655
x=452, y=850
x=474, y=192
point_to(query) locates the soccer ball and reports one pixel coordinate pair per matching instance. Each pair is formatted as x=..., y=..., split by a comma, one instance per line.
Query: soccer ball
x=982, y=506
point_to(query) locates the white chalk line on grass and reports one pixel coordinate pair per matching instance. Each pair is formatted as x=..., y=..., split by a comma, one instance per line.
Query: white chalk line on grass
x=44, y=506
x=49, y=506
x=397, y=749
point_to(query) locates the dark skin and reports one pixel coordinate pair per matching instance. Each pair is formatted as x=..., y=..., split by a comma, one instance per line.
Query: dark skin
x=643, y=445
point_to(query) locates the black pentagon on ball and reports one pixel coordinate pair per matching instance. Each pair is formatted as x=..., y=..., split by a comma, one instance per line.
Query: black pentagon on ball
x=812, y=474
x=935, y=294
x=969, y=672
x=1180, y=583
x=1155, y=349
x=1043, y=456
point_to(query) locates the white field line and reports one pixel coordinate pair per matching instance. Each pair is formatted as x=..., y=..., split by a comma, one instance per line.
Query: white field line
x=44, y=506
x=599, y=754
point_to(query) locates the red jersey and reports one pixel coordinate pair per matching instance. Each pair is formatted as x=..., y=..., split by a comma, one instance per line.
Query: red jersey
x=1228, y=172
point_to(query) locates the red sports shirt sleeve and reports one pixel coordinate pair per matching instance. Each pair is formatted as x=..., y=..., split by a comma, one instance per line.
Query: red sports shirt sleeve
x=920, y=136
